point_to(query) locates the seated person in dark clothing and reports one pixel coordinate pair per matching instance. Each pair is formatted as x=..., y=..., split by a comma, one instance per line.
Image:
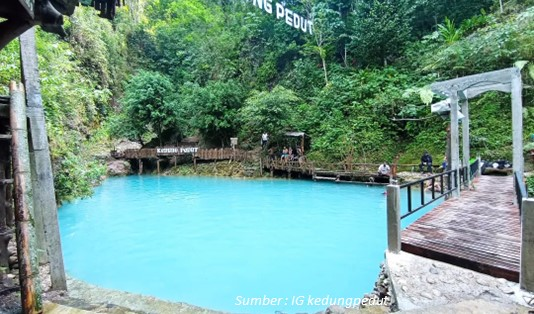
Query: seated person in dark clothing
x=426, y=160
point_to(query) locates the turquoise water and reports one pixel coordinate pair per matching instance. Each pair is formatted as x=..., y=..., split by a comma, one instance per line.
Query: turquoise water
x=214, y=242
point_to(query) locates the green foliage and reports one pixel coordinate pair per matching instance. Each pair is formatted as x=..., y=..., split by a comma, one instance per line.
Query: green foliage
x=270, y=112
x=149, y=106
x=197, y=62
x=530, y=186
x=496, y=46
x=380, y=30
x=449, y=32
x=76, y=177
x=213, y=109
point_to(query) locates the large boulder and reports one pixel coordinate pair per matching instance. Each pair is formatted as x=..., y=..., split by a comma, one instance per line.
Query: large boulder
x=124, y=145
x=119, y=168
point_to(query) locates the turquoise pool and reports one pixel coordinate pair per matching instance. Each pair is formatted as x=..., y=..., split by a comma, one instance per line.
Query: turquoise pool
x=216, y=242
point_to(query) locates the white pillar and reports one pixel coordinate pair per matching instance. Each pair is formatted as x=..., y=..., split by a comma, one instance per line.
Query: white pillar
x=393, y=214
x=455, y=139
x=465, y=138
x=517, y=123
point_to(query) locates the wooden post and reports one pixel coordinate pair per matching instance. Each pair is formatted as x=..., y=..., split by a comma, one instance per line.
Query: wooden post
x=393, y=214
x=46, y=218
x=465, y=139
x=28, y=259
x=5, y=232
x=10, y=214
x=140, y=161
x=455, y=146
x=526, y=276
x=157, y=164
x=517, y=123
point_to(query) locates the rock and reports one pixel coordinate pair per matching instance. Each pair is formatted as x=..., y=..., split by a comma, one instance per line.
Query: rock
x=446, y=279
x=426, y=295
x=13, y=259
x=431, y=280
x=124, y=145
x=10, y=276
x=506, y=289
x=482, y=281
x=502, y=280
x=119, y=168
x=434, y=271
x=335, y=309
x=404, y=288
x=437, y=293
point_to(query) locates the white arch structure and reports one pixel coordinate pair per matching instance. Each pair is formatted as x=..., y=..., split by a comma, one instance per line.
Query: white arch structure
x=460, y=90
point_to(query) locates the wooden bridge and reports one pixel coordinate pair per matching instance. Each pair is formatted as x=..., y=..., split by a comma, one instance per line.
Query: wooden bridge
x=481, y=230
x=336, y=171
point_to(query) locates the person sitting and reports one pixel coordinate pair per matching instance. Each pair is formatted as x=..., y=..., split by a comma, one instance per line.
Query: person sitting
x=285, y=153
x=384, y=170
x=426, y=160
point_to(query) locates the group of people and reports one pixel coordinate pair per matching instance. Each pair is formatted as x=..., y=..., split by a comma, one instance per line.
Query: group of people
x=288, y=153
x=425, y=166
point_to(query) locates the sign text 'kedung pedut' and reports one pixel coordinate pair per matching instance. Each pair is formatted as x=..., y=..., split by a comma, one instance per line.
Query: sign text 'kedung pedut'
x=291, y=18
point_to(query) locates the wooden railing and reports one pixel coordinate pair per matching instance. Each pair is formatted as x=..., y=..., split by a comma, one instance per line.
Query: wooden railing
x=438, y=186
x=444, y=184
x=201, y=154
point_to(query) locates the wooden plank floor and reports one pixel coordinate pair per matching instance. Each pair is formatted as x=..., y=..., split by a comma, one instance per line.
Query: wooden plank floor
x=480, y=230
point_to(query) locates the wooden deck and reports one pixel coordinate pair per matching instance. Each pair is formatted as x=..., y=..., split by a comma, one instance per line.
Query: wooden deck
x=479, y=231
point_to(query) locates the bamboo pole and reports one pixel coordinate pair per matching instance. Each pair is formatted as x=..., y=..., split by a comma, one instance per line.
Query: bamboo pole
x=28, y=271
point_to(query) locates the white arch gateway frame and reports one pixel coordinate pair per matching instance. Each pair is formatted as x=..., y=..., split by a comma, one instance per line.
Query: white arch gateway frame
x=461, y=89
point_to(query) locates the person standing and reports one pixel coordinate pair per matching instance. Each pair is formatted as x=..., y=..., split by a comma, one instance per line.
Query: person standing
x=426, y=160
x=264, y=139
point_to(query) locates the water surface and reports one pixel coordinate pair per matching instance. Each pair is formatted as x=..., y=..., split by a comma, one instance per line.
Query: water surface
x=213, y=242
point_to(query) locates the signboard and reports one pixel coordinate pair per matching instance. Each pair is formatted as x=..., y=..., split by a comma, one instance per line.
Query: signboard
x=290, y=17
x=172, y=151
x=233, y=141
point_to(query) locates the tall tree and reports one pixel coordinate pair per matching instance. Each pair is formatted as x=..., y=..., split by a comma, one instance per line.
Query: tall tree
x=381, y=28
x=149, y=104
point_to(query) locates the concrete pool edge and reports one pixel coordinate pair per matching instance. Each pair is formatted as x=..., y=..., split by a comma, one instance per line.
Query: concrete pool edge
x=78, y=289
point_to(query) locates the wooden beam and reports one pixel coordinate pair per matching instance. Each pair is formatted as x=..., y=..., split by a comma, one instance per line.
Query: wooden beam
x=28, y=260
x=46, y=218
x=4, y=111
x=11, y=29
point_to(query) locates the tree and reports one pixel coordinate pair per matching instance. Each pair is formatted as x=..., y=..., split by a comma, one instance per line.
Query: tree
x=268, y=112
x=213, y=109
x=326, y=24
x=149, y=105
x=381, y=28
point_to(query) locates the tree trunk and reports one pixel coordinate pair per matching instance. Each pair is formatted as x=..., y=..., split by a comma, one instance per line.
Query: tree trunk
x=325, y=71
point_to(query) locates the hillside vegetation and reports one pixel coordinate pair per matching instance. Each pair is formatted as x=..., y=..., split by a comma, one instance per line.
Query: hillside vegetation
x=167, y=69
